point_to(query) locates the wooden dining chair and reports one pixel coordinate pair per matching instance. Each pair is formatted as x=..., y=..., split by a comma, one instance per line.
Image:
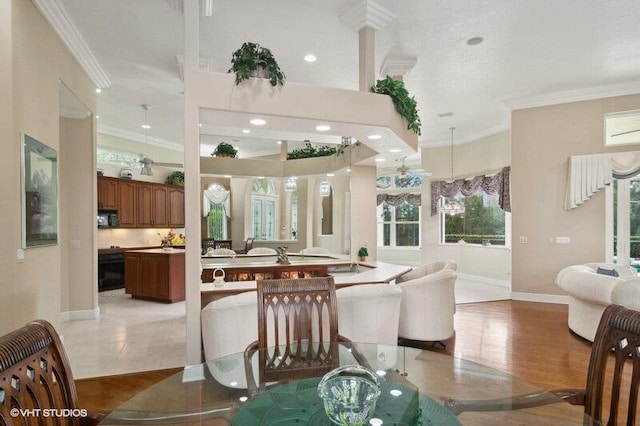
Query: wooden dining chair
x=226, y=244
x=615, y=352
x=297, y=331
x=35, y=375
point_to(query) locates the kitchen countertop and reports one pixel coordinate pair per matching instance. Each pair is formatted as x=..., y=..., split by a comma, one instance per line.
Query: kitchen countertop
x=172, y=250
x=112, y=250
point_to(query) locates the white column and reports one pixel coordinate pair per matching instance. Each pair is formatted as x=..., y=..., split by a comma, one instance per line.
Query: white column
x=367, y=58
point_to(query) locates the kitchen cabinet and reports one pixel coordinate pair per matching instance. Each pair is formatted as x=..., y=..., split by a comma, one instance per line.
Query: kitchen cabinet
x=107, y=193
x=142, y=204
x=127, y=204
x=155, y=275
x=175, y=210
x=151, y=205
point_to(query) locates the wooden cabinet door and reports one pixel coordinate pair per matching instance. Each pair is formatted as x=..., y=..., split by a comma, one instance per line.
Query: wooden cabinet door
x=132, y=277
x=148, y=275
x=107, y=193
x=127, y=203
x=161, y=283
x=159, y=200
x=175, y=197
x=144, y=205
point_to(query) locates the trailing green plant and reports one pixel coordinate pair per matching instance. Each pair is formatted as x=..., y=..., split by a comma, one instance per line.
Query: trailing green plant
x=363, y=252
x=249, y=58
x=405, y=104
x=225, y=150
x=175, y=178
x=310, y=151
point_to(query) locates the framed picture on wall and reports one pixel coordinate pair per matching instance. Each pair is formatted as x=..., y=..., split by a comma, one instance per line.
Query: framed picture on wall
x=39, y=193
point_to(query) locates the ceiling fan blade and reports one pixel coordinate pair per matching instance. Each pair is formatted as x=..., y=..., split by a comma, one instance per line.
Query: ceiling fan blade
x=168, y=164
x=625, y=133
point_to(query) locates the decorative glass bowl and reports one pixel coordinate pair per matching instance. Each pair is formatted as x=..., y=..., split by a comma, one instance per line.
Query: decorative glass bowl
x=349, y=394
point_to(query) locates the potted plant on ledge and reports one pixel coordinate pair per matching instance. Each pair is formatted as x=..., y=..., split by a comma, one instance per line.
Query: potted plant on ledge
x=251, y=60
x=405, y=104
x=225, y=150
x=363, y=252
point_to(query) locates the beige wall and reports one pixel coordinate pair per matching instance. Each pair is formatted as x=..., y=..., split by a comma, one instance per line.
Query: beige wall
x=482, y=156
x=32, y=61
x=542, y=141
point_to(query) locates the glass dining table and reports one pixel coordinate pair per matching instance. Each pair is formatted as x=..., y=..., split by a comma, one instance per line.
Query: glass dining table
x=414, y=387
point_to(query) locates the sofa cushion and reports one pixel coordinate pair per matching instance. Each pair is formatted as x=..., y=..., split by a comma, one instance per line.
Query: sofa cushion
x=589, y=285
x=609, y=272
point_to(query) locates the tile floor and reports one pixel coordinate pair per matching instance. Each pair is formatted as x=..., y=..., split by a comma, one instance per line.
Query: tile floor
x=135, y=335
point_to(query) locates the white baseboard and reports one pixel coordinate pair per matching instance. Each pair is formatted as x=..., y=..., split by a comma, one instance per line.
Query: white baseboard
x=81, y=315
x=485, y=280
x=537, y=297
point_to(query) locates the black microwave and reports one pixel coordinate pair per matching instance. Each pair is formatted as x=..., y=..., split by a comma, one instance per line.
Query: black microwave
x=108, y=219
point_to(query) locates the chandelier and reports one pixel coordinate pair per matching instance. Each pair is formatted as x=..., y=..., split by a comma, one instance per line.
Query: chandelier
x=290, y=185
x=451, y=206
x=325, y=188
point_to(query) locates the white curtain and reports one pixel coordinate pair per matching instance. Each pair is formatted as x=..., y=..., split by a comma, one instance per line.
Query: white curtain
x=587, y=174
x=216, y=197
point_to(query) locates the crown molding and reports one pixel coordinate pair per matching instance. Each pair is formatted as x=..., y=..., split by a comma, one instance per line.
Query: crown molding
x=367, y=13
x=587, y=94
x=397, y=66
x=468, y=138
x=55, y=14
x=137, y=137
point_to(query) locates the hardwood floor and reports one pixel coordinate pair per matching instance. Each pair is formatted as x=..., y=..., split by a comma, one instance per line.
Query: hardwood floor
x=528, y=340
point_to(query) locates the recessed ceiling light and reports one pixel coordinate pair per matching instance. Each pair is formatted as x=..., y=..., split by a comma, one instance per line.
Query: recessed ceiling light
x=374, y=137
x=474, y=41
x=259, y=177
x=200, y=125
x=348, y=170
x=98, y=90
x=258, y=122
x=380, y=160
x=310, y=58
x=323, y=128
x=246, y=131
x=227, y=176
x=330, y=174
x=279, y=142
x=97, y=117
x=146, y=126
x=395, y=150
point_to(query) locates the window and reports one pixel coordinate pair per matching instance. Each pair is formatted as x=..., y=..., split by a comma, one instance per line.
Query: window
x=398, y=210
x=217, y=216
x=264, y=209
x=294, y=215
x=483, y=221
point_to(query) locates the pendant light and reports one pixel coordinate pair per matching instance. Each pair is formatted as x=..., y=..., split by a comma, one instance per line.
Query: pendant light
x=290, y=185
x=451, y=206
x=146, y=167
x=325, y=188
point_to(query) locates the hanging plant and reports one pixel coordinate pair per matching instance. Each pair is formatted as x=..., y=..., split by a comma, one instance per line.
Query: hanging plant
x=405, y=104
x=252, y=59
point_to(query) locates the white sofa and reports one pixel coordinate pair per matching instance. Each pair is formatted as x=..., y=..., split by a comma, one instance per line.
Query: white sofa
x=428, y=268
x=590, y=293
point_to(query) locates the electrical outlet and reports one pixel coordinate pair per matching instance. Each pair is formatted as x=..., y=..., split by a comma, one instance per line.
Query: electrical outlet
x=20, y=255
x=524, y=240
x=75, y=244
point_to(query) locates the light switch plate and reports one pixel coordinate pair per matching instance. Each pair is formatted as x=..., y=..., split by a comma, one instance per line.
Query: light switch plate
x=20, y=255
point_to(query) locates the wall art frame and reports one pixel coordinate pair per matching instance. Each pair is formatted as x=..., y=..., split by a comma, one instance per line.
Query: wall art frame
x=39, y=181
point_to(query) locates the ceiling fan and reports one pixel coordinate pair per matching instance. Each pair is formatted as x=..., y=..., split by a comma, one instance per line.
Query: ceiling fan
x=145, y=161
x=403, y=170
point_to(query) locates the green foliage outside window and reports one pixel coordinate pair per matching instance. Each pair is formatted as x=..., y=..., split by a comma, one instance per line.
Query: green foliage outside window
x=482, y=222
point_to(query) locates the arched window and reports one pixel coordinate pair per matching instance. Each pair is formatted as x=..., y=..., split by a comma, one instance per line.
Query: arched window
x=264, y=210
x=217, y=197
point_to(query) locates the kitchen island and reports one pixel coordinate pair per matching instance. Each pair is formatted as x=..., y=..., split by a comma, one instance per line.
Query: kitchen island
x=155, y=274
x=248, y=269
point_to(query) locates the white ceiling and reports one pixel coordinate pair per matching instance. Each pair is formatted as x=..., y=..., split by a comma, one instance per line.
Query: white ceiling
x=534, y=52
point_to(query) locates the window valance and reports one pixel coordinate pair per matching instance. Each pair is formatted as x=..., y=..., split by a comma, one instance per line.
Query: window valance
x=396, y=199
x=216, y=197
x=587, y=174
x=494, y=184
